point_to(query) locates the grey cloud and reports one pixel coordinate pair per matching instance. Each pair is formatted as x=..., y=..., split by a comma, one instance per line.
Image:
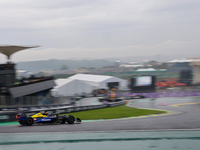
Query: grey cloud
x=102, y=24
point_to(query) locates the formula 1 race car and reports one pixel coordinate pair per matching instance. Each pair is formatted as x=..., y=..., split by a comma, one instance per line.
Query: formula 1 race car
x=24, y=119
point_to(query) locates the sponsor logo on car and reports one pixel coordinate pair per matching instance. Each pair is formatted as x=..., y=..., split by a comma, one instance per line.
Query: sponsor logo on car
x=46, y=120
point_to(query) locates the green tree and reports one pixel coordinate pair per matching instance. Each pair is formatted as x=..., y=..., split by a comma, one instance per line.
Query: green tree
x=153, y=61
x=64, y=67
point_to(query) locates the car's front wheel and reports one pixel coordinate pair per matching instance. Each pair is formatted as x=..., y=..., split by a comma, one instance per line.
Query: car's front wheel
x=70, y=119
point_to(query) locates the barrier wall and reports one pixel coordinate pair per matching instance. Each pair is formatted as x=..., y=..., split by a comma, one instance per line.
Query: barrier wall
x=167, y=94
x=10, y=116
x=30, y=108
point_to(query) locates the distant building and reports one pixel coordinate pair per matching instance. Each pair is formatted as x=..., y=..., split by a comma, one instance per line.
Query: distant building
x=23, y=73
x=131, y=65
x=176, y=65
x=189, y=64
x=146, y=69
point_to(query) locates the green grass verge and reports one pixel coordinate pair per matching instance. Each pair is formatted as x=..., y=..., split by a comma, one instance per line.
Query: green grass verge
x=9, y=123
x=114, y=113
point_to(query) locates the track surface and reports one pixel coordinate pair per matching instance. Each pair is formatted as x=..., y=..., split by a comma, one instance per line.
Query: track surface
x=187, y=118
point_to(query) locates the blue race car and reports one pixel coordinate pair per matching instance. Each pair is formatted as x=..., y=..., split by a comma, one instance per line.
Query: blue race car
x=24, y=119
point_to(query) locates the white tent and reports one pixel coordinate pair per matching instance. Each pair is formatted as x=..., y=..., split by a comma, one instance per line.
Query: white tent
x=70, y=87
x=100, y=81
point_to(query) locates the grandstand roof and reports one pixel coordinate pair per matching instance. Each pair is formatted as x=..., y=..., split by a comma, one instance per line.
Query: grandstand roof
x=8, y=50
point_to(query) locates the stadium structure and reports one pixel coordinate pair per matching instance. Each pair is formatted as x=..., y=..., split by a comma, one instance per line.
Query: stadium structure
x=26, y=91
x=192, y=73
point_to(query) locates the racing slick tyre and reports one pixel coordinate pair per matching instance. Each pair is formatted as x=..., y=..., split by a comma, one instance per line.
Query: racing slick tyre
x=70, y=119
x=29, y=121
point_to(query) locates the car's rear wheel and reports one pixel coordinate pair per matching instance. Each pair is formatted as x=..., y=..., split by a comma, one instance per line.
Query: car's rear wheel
x=29, y=121
x=70, y=119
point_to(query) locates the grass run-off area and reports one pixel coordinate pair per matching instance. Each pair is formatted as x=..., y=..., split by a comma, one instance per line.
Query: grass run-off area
x=114, y=113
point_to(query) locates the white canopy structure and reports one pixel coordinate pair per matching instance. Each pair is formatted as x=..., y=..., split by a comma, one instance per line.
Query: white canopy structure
x=100, y=81
x=8, y=50
x=184, y=60
x=70, y=87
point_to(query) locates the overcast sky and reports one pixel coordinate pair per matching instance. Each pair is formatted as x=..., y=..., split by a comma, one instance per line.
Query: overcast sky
x=100, y=28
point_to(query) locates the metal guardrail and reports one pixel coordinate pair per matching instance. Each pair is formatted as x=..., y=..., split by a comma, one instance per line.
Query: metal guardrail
x=8, y=101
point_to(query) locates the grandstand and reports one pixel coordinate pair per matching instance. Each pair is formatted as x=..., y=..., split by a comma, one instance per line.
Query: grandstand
x=14, y=91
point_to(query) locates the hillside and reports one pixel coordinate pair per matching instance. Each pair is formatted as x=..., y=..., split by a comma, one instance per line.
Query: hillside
x=55, y=64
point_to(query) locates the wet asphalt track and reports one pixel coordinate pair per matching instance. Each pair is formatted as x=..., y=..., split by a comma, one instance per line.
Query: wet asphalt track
x=188, y=117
